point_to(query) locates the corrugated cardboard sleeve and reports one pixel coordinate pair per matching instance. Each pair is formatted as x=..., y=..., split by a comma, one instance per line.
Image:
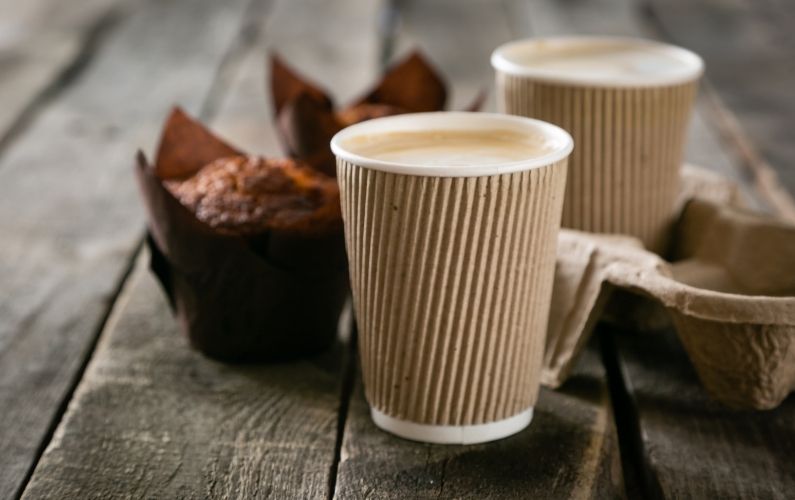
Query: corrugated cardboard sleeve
x=624, y=170
x=452, y=313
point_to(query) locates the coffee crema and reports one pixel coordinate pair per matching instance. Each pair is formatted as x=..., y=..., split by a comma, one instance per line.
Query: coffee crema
x=613, y=60
x=598, y=60
x=453, y=148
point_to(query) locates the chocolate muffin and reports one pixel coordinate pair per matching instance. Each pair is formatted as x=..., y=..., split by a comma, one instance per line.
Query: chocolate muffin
x=249, y=251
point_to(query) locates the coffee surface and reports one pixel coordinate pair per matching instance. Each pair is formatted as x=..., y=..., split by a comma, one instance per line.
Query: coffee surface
x=452, y=148
x=607, y=61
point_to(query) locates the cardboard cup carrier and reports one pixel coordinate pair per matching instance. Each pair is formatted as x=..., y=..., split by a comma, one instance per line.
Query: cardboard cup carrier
x=728, y=289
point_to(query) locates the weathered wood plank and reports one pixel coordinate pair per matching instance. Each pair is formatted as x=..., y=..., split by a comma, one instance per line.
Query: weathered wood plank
x=692, y=446
x=748, y=47
x=687, y=445
x=459, y=37
x=69, y=215
x=39, y=41
x=341, y=55
x=568, y=451
x=153, y=419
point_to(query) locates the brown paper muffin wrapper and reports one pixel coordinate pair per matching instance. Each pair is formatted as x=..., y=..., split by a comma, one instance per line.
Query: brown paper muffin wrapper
x=274, y=296
x=307, y=117
x=729, y=291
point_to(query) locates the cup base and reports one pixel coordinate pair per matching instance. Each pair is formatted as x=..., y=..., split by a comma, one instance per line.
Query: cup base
x=453, y=434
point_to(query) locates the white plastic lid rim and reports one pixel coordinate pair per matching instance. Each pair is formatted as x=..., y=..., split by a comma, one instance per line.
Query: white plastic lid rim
x=559, y=143
x=504, y=59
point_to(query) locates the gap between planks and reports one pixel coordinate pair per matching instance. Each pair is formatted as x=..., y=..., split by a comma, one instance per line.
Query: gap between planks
x=346, y=393
x=639, y=480
x=40, y=42
x=95, y=35
x=77, y=376
x=389, y=19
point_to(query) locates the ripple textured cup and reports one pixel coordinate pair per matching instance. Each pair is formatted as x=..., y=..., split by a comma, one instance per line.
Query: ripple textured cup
x=451, y=270
x=627, y=103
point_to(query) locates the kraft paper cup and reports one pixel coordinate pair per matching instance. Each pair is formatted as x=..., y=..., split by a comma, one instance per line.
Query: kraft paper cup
x=629, y=129
x=451, y=271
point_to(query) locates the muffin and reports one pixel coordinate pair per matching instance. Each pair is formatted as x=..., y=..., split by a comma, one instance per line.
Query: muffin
x=307, y=119
x=249, y=250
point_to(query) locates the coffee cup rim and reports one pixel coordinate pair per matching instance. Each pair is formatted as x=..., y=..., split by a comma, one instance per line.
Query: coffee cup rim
x=560, y=140
x=693, y=64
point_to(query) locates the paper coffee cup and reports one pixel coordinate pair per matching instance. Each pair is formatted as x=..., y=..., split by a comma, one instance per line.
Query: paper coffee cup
x=451, y=271
x=627, y=104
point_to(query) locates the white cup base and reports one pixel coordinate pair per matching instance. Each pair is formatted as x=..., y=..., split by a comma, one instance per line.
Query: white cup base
x=453, y=434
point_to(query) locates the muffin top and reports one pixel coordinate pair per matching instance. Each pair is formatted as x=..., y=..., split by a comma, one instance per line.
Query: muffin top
x=248, y=195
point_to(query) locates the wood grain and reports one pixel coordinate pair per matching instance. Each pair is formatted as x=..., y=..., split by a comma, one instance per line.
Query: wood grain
x=69, y=216
x=458, y=37
x=152, y=418
x=41, y=42
x=341, y=55
x=692, y=446
x=568, y=451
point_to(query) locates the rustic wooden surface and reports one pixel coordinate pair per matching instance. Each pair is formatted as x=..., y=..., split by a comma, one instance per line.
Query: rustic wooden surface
x=569, y=450
x=81, y=88
x=691, y=446
x=152, y=418
x=42, y=43
x=459, y=37
x=69, y=215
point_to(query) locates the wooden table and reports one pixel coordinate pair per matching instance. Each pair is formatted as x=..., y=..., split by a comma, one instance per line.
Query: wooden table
x=100, y=395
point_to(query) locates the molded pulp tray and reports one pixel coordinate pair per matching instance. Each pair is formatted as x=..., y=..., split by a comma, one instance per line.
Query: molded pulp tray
x=729, y=290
